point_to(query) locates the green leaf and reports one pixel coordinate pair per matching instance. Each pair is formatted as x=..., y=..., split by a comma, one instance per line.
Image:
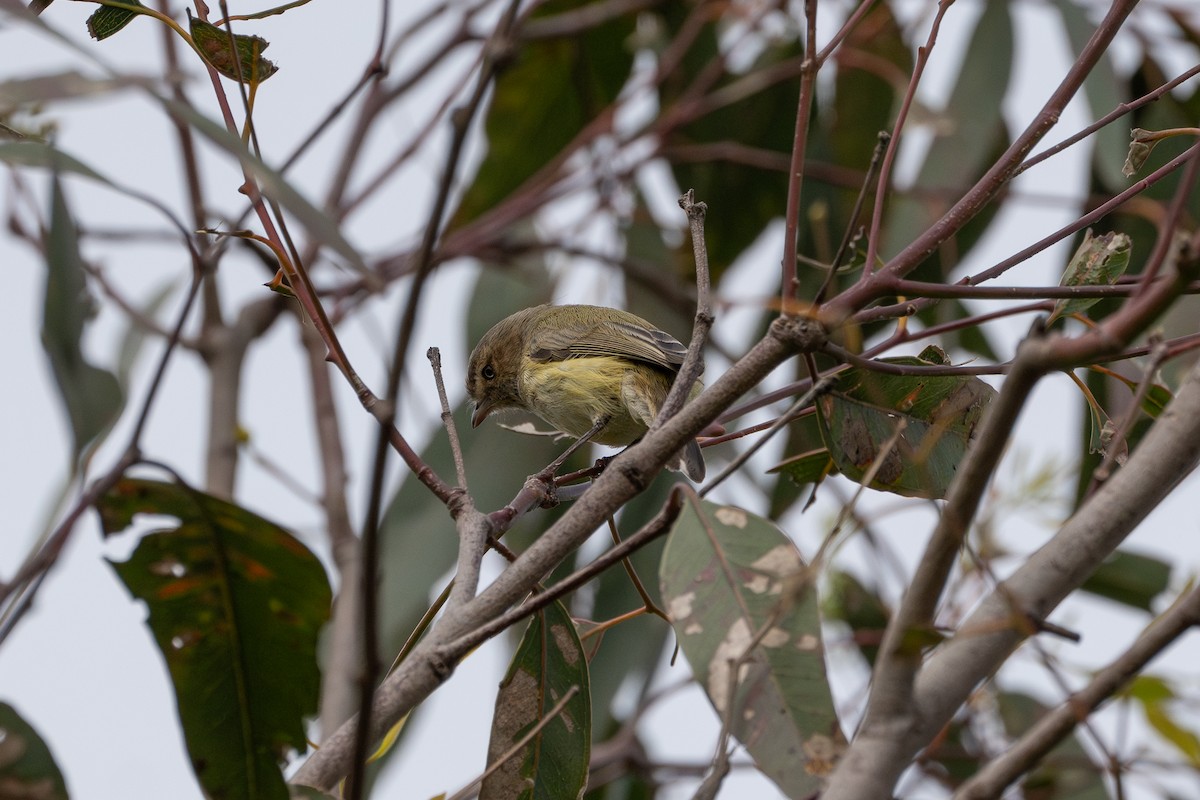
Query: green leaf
x=552, y=88
x=236, y=604
x=1098, y=261
x=1155, y=696
x=1130, y=578
x=1099, y=424
x=860, y=608
x=91, y=395
x=107, y=20
x=742, y=199
x=27, y=768
x=1157, y=398
x=1150, y=690
x=548, y=664
x=739, y=596
x=1066, y=773
x=247, y=66
x=810, y=467
x=938, y=415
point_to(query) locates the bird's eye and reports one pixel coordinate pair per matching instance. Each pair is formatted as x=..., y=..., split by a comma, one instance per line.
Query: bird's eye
x=488, y=372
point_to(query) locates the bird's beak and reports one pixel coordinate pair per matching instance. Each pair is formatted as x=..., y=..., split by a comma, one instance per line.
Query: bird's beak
x=482, y=409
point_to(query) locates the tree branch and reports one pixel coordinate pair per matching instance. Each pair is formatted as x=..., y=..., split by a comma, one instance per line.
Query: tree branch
x=433, y=660
x=1169, y=452
x=991, y=780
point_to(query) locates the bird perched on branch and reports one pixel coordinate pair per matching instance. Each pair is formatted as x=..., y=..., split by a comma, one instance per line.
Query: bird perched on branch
x=598, y=374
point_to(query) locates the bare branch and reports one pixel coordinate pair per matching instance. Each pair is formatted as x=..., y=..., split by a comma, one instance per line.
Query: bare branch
x=998, y=773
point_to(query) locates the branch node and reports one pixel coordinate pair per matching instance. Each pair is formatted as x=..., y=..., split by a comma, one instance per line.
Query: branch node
x=804, y=334
x=457, y=502
x=440, y=665
x=695, y=211
x=636, y=478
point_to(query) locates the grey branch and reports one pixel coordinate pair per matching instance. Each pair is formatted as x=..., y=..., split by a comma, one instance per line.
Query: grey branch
x=1169, y=452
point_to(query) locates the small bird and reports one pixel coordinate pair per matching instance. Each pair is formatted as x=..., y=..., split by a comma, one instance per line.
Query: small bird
x=598, y=374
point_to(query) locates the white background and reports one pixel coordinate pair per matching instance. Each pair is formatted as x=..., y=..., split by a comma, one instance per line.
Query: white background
x=82, y=667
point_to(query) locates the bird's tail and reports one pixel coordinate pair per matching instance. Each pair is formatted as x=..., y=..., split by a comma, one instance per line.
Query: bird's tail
x=691, y=461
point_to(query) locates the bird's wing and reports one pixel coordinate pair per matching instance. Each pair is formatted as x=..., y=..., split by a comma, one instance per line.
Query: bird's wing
x=618, y=339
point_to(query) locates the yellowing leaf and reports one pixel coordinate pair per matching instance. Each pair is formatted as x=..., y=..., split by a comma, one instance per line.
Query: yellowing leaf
x=930, y=418
x=1098, y=261
x=247, y=66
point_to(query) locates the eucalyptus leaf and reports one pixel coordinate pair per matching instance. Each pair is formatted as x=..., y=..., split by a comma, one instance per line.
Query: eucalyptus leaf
x=108, y=20
x=1098, y=261
x=548, y=667
x=238, y=56
x=39, y=154
x=1156, y=697
x=1131, y=579
x=65, y=85
x=236, y=604
x=745, y=610
x=1066, y=772
x=810, y=467
x=27, y=768
x=91, y=395
x=930, y=420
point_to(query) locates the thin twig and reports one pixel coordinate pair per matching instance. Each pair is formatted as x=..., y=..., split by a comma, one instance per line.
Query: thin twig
x=1158, y=354
x=648, y=532
x=1121, y=110
x=512, y=752
x=1104, y=209
x=693, y=362
x=788, y=284
x=639, y=587
x=803, y=402
x=997, y=177
x=847, y=510
x=998, y=773
x=893, y=144
x=852, y=226
x=435, y=360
